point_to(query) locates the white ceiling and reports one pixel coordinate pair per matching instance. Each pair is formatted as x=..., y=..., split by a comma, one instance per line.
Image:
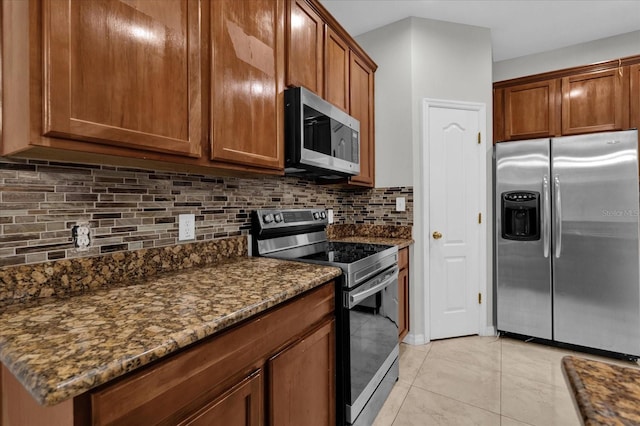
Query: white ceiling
x=518, y=27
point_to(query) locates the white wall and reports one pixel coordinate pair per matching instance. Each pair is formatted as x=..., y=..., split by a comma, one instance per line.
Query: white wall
x=447, y=61
x=580, y=54
x=390, y=48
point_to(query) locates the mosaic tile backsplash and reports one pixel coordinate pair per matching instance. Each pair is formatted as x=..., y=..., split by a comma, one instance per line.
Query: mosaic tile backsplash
x=130, y=209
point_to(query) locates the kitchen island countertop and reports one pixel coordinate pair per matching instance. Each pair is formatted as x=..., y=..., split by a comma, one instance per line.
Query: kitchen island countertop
x=603, y=393
x=59, y=348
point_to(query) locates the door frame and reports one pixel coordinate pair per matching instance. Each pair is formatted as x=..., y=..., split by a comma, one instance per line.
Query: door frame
x=481, y=108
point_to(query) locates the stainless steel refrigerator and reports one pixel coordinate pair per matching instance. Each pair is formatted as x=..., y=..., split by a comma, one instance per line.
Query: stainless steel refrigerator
x=567, y=240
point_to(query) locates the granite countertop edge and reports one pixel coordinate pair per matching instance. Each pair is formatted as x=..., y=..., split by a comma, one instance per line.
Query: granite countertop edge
x=602, y=392
x=49, y=388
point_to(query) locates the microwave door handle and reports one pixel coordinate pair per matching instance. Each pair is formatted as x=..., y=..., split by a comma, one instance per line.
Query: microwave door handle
x=354, y=299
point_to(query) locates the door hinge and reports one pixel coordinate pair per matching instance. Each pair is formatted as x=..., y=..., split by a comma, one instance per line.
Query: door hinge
x=479, y=139
x=479, y=298
x=479, y=217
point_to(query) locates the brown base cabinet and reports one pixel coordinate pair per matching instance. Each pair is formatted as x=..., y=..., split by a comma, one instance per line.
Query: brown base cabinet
x=279, y=365
x=403, y=293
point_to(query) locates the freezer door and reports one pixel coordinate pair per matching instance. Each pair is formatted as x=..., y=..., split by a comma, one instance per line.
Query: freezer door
x=523, y=265
x=595, y=264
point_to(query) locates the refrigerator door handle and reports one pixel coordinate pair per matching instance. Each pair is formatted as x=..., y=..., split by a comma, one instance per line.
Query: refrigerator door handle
x=546, y=219
x=558, y=218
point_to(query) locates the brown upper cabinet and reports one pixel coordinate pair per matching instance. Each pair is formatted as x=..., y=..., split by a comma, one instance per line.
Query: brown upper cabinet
x=532, y=110
x=123, y=73
x=337, y=70
x=127, y=83
x=634, y=105
x=591, y=98
x=361, y=100
x=305, y=62
x=186, y=85
x=595, y=101
x=323, y=58
x=247, y=79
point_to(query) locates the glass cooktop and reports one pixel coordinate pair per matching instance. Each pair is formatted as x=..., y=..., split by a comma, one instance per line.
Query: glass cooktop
x=340, y=252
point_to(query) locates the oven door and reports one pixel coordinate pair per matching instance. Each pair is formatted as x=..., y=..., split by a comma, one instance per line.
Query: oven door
x=371, y=328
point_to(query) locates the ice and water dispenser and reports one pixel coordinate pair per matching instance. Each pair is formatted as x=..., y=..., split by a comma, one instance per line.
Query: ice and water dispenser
x=521, y=215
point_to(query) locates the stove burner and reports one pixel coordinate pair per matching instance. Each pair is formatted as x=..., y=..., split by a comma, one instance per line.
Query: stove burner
x=341, y=252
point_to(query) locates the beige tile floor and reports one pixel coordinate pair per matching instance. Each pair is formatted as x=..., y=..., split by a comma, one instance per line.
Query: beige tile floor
x=481, y=381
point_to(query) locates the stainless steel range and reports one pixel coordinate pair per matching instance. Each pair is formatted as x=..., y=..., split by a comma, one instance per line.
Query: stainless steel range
x=366, y=308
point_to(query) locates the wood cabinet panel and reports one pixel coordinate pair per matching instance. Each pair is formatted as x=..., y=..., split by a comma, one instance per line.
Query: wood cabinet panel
x=299, y=395
x=247, y=82
x=532, y=110
x=305, y=47
x=362, y=109
x=336, y=70
x=498, y=115
x=595, y=101
x=634, y=98
x=240, y=405
x=173, y=389
x=403, y=293
x=124, y=73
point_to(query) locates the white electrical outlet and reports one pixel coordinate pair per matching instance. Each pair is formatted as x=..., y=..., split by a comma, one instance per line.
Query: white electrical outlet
x=186, y=227
x=330, y=215
x=400, y=204
x=81, y=234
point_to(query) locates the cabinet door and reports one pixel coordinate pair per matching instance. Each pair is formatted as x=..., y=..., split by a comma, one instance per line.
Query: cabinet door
x=336, y=70
x=498, y=115
x=305, y=63
x=594, y=102
x=124, y=73
x=362, y=109
x=403, y=303
x=532, y=110
x=403, y=293
x=302, y=381
x=240, y=405
x=634, y=71
x=247, y=82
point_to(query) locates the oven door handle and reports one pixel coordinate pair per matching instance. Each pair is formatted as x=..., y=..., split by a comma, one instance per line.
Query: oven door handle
x=355, y=298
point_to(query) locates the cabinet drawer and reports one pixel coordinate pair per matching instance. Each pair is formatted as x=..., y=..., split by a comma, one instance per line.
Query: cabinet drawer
x=403, y=258
x=167, y=392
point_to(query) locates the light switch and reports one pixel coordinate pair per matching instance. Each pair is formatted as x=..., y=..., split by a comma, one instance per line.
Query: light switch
x=330, y=215
x=400, y=204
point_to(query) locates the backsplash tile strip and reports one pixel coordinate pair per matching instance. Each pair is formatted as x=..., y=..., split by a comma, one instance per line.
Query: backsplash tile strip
x=130, y=208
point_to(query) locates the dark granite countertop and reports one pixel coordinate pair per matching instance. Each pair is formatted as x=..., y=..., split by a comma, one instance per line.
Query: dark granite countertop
x=62, y=347
x=604, y=394
x=371, y=234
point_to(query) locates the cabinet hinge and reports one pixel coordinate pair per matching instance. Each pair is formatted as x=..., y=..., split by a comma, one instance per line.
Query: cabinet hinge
x=479, y=217
x=479, y=298
x=479, y=138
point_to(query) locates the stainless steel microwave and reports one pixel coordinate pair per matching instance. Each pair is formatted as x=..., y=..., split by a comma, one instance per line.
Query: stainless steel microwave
x=321, y=140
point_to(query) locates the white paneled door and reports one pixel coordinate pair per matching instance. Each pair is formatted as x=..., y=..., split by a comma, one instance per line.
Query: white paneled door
x=454, y=136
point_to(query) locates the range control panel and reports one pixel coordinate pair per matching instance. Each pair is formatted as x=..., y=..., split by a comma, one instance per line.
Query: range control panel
x=274, y=219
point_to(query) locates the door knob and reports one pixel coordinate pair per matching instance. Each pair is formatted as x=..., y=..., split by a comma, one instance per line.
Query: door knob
x=437, y=235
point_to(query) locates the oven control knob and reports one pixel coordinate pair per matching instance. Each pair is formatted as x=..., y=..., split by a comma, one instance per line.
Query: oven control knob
x=316, y=215
x=267, y=218
x=277, y=217
x=323, y=215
